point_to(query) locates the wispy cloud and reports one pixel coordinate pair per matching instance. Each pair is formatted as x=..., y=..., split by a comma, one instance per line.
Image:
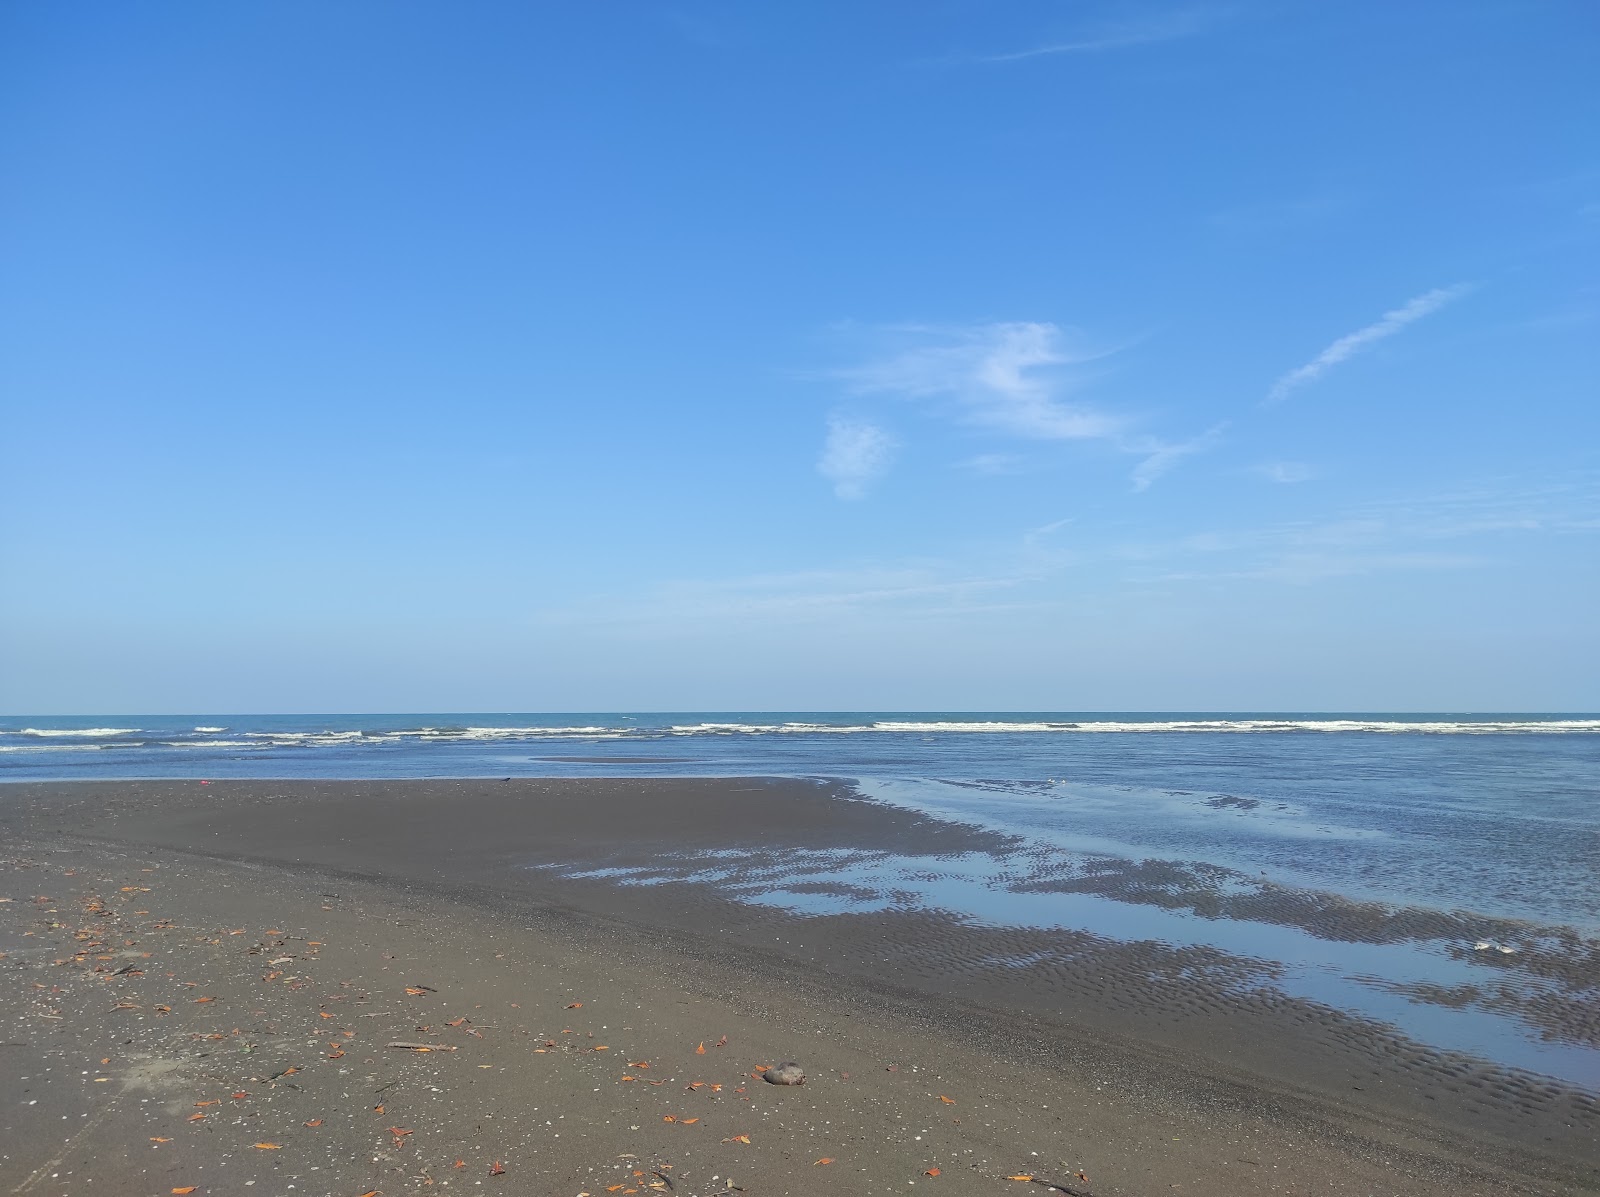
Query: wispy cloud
x=1005, y=376
x=989, y=465
x=1161, y=456
x=855, y=455
x=1348, y=346
x=1165, y=28
x=1285, y=471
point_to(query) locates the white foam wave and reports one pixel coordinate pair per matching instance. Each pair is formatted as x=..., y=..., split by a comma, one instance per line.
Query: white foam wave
x=53, y=733
x=1232, y=726
x=51, y=747
x=210, y=729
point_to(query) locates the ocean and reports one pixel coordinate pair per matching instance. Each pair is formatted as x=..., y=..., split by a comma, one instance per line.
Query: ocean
x=1437, y=873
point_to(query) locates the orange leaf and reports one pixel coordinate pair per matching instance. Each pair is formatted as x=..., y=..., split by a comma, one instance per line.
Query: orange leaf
x=740, y=1139
x=827, y=1159
x=185, y=1189
x=159, y=1139
x=240, y=1096
x=196, y=1117
x=374, y=1193
x=669, y=1117
x=688, y=1121
x=323, y=1014
x=635, y=1064
x=693, y=1085
x=415, y=990
x=949, y=1101
x=612, y=1188
x=600, y=1047
x=701, y=1050
x=270, y=1146
x=1020, y=1176
x=575, y=1006
x=461, y=1163
x=335, y=1054
x=497, y=1170
x=398, y=1131
x=208, y=1103
x=931, y=1172
x=456, y=1022
x=377, y=1109
x=314, y=1122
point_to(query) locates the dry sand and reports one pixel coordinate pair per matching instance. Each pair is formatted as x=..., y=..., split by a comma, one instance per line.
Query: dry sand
x=244, y=952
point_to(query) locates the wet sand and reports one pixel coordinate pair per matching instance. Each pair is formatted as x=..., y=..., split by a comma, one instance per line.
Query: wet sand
x=307, y=909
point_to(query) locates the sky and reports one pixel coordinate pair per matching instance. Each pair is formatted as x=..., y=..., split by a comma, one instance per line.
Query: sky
x=933, y=355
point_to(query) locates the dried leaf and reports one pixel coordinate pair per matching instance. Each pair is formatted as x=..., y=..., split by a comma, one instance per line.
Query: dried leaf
x=497, y=1169
x=931, y=1172
x=669, y=1117
x=949, y=1101
x=314, y=1122
x=377, y=1109
x=268, y=1146
x=1020, y=1176
x=701, y=1050
x=738, y=1139
x=634, y=1064
x=399, y=1131
x=240, y=1096
x=196, y=1117
x=574, y=1005
x=198, y=1000
x=456, y=1022
x=688, y=1121
x=185, y=1189
x=159, y=1139
x=460, y=1164
x=723, y=1042
x=416, y=990
x=827, y=1159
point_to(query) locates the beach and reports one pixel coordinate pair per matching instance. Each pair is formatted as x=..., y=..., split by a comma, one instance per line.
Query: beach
x=546, y=939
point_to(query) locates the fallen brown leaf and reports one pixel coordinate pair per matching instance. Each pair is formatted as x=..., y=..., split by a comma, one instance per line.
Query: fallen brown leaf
x=931, y=1172
x=185, y=1189
x=949, y=1101
x=827, y=1159
x=269, y=1146
x=497, y=1169
x=701, y=1050
x=314, y=1122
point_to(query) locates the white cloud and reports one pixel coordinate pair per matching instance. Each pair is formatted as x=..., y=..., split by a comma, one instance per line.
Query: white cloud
x=999, y=374
x=1286, y=471
x=1163, y=28
x=1347, y=346
x=990, y=465
x=854, y=456
x=1161, y=456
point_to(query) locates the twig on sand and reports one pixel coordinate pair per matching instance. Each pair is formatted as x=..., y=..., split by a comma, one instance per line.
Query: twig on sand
x=422, y=1047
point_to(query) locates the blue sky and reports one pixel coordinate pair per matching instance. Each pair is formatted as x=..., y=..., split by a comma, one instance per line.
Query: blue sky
x=504, y=356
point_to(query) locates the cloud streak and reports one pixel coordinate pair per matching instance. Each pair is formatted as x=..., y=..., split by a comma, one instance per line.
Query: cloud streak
x=999, y=374
x=1348, y=346
x=1162, y=456
x=854, y=455
x=1165, y=29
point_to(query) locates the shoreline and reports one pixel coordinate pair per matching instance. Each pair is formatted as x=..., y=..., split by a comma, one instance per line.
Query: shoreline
x=1154, y=1026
